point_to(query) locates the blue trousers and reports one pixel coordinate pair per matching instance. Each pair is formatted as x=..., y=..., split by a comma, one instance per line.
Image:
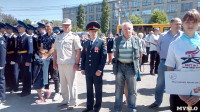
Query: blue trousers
x=11, y=75
x=26, y=75
x=125, y=73
x=97, y=82
x=2, y=85
x=160, y=86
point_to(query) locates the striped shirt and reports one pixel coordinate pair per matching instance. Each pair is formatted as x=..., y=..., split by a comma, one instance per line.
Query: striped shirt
x=125, y=50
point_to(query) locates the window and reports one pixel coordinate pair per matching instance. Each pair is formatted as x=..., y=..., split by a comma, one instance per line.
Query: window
x=85, y=10
x=72, y=11
x=98, y=16
x=158, y=1
x=98, y=8
x=198, y=5
x=125, y=4
x=186, y=6
x=160, y=8
x=146, y=2
x=91, y=9
x=146, y=11
x=135, y=3
x=123, y=14
x=115, y=6
x=172, y=8
x=136, y=12
x=172, y=0
x=91, y=17
x=146, y=20
x=115, y=22
x=115, y=15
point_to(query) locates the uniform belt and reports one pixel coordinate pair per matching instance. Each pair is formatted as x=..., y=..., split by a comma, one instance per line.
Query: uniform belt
x=21, y=52
x=126, y=64
x=10, y=52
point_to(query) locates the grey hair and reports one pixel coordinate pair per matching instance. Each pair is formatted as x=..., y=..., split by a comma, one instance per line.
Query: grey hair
x=129, y=23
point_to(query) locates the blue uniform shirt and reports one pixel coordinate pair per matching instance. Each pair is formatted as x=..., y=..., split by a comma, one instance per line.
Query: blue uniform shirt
x=25, y=48
x=2, y=51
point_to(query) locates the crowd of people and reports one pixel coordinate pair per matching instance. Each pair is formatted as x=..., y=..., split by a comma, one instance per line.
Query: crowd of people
x=35, y=58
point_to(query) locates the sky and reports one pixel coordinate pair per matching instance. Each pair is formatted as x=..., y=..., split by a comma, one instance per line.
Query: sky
x=36, y=10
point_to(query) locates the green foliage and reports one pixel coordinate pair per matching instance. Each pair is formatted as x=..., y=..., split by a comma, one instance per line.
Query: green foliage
x=136, y=20
x=80, y=17
x=44, y=20
x=57, y=23
x=76, y=29
x=158, y=17
x=27, y=21
x=105, y=17
x=9, y=19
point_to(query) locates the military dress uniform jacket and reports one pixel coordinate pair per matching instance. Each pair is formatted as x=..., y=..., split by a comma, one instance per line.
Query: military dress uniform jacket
x=35, y=42
x=11, y=48
x=25, y=48
x=93, y=57
x=2, y=51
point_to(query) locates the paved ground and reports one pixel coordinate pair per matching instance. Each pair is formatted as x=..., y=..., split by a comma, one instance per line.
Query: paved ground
x=145, y=96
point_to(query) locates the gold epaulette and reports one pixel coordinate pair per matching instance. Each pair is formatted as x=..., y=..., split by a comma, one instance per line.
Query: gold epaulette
x=15, y=36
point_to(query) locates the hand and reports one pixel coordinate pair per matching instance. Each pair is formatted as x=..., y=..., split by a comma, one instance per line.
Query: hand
x=83, y=72
x=76, y=68
x=98, y=73
x=192, y=100
x=27, y=64
x=55, y=66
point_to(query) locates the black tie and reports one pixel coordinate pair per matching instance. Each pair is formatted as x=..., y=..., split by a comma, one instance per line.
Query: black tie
x=91, y=41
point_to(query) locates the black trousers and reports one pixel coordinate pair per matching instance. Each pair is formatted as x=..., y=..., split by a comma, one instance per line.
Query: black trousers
x=154, y=60
x=55, y=76
x=147, y=50
x=177, y=105
x=11, y=75
x=26, y=74
x=97, y=82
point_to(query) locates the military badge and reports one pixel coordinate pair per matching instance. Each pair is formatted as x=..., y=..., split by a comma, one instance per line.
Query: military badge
x=96, y=49
x=22, y=41
x=85, y=49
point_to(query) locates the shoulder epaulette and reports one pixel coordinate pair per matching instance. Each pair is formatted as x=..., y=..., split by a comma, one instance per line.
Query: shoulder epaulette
x=74, y=34
x=27, y=35
x=0, y=36
x=15, y=36
x=35, y=36
x=6, y=34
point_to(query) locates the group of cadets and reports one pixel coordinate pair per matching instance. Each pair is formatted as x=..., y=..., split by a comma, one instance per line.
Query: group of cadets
x=18, y=46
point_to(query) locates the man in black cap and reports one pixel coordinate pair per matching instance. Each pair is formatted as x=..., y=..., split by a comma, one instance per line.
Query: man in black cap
x=11, y=69
x=94, y=56
x=42, y=32
x=2, y=65
x=3, y=30
x=31, y=30
x=24, y=57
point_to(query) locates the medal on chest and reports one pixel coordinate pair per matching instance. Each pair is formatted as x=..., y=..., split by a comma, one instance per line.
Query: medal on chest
x=96, y=49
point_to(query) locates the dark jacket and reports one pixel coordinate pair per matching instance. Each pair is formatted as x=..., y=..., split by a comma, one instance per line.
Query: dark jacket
x=2, y=51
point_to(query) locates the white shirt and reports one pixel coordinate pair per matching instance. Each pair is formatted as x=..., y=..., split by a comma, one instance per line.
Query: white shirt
x=183, y=56
x=153, y=44
x=66, y=46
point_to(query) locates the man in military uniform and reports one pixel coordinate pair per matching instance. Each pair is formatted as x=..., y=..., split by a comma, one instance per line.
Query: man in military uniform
x=24, y=57
x=83, y=39
x=42, y=32
x=2, y=65
x=110, y=42
x=48, y=43
x=66, y=58
x=3, y=30
x=94, y=56
x=11, y=69
x=31, y=30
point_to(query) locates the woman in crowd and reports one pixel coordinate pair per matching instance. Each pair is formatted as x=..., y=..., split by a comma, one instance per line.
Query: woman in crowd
x=178, y=52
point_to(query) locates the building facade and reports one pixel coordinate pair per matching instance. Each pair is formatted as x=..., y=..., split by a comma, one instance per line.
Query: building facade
x=125, y=8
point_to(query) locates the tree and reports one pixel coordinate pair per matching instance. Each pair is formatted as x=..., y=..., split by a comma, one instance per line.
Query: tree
x=9, y=19
x=76, y=29
x=80, y=17
x=44, y=21
x=105, y=17
x=27, y=21
x=57, y=23
x=136, y=20
x=158, y=17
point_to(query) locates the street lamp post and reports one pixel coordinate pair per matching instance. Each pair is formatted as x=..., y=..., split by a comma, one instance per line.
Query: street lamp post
x=119, y=15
